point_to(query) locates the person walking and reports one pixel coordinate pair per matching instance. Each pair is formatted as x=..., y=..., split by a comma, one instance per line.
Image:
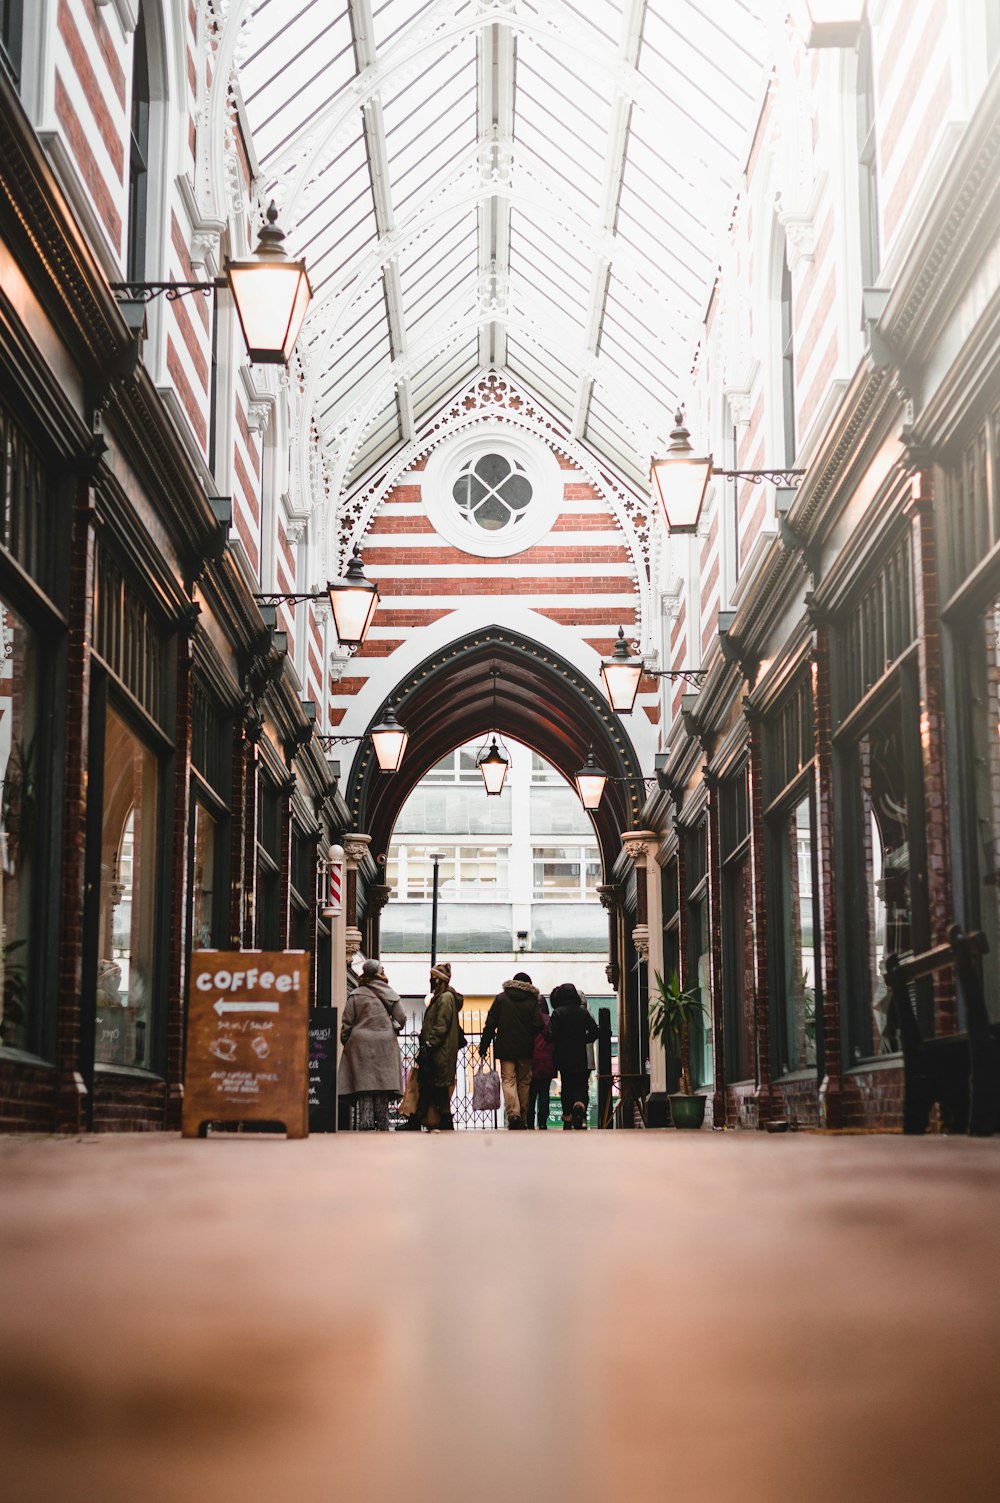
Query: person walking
x=513, y=1020
x=437, y=1055
x=371, y=1071
x=572, y=1028
x=542, y=1071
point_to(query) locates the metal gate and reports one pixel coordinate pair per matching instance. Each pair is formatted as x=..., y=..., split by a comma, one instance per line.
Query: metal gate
x=465, y=1119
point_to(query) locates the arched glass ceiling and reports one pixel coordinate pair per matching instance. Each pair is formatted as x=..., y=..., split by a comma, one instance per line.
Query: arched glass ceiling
x=531, y=184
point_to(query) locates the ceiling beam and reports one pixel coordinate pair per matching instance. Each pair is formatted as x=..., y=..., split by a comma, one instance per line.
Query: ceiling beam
x=377, y=152
x=495, y=61
x=611, y=189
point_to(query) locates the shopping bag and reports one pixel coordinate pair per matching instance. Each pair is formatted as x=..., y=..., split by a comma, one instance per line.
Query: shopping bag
x=408, y=1105
x=485, y=1089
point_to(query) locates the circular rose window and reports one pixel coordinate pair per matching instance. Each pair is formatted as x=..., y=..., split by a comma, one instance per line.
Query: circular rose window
x=492, y=492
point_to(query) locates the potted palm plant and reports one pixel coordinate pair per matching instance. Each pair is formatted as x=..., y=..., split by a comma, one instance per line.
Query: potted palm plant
x=670, y=1019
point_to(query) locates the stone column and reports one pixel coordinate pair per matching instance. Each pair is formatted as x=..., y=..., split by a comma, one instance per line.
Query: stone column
x=766, y=1100
x=927, y=623
x=355, y=851
x=640, y=846
x=610, y=896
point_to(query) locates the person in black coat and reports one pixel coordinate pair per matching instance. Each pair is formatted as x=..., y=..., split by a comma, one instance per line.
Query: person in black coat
x=572, y=1028
x=513, y=1020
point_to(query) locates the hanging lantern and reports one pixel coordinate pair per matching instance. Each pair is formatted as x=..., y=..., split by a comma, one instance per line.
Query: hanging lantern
x=389, y=740
x=271, y=294
x=353, y=600
x=590, y=781
x=493, y=765
x=621, y=673
x=832, y=23
x=681, y=480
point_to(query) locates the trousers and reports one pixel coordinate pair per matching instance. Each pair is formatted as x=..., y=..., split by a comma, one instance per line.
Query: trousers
x=515, y=1079
x=575, y=1087
x=539, y=1096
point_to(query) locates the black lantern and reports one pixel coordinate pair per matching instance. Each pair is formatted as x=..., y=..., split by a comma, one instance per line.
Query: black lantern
x=353, y=600
x=389, y=740
x=681, y=479
x=621, y=673
x=590, y=781
x=272, y=294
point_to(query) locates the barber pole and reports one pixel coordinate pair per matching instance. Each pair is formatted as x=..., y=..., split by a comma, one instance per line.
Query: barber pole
x=336, y=887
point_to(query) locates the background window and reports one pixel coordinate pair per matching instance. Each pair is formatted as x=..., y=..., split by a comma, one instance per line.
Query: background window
x=867, y=164
x=798, y=939
x=566, y=871
x=11, y=12
x=138, y=169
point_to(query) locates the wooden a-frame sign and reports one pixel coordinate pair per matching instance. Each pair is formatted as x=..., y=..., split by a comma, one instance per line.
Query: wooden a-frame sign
x=247, y=1040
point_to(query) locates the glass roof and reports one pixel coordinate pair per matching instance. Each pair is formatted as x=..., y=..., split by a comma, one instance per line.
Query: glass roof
x=532, y=184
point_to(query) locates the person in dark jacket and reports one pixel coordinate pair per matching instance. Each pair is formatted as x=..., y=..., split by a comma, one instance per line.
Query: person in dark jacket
x=542, y=1071
x=437, y=1056
x=572, y=1028
x=513, y=1020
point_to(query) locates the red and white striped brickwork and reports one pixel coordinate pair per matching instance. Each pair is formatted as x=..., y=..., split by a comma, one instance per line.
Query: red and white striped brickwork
x=573, y=588
x=800, y=191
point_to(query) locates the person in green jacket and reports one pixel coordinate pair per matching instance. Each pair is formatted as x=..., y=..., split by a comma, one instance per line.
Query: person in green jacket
x=437, y=1056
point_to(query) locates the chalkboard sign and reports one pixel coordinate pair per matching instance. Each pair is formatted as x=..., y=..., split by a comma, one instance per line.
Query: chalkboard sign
x=247, y=1044
x=323, y=1070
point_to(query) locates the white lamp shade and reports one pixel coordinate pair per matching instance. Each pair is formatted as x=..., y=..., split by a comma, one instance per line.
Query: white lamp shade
x=271, y=300
x=271, y=294
x=493, y=766
x=621, y=674
x=353, y=600
x=389, y=740
x=681, y=479
x=590, y=781
x=832, y=23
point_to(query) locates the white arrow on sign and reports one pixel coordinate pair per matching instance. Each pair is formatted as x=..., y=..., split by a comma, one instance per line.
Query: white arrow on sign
x=221, y=1007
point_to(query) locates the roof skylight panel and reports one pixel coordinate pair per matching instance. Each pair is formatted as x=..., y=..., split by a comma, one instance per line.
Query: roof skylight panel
x=456, y=248
x=351, y=384
x=659, y=184
x=723, y=44
x=393, y=16
x=604, y=16
x=608, y=438
x=293, y=76
x=652, y=233
x=545, y=374
x=440, y=379
x=651, y=327
x=552, y=249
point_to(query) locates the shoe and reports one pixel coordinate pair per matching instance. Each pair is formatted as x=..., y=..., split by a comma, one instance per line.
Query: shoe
x=515, y=1124
x=579, y=1115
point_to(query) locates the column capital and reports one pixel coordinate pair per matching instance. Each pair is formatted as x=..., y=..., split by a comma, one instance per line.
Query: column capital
x=352, y=942
x=638, y=843
x=610, y=895
x=356, y=847
x=640, y=939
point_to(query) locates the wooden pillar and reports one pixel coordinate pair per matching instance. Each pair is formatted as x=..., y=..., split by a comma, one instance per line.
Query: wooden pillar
x=285, y=862
x=71, y=1114
x=831, y=1089
x=719, y=1099
x=179, y=929
x=766, y=1100
x=927, y=622
x=378, y=895
x=248, y=853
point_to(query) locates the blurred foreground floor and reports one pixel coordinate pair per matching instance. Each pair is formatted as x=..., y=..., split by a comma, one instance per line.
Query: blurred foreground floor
x=475, y=1317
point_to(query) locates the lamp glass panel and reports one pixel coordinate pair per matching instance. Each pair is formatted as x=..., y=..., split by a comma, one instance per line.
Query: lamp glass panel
x=833, y=23
x=494, y=771
x=621, y=683
x=591, y=786
x=271, y=300
x=390, y=746
x=680, y=486
x=353, y=608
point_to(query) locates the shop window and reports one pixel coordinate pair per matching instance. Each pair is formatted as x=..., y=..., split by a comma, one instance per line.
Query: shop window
x=699, y=962
x=867, y=164
x=737, y=925
x=982, y=851
x=973, y=511
x=21, y=812
x=302, y=891
x=25, y=497
x=204, y=887
x=269, y=919
x=797, y=939
x=880, y=628
x=138, y=170
x=127, y=926
x=670, y=898
x=11, y=26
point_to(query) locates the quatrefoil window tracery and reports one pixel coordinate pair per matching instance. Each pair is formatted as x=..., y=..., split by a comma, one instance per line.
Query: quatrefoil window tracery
x=493, y=491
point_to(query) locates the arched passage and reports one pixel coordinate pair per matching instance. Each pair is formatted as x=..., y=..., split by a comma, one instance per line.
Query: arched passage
x=540, y=699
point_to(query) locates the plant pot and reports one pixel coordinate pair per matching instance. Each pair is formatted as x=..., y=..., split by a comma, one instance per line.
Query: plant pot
x=687, y=1111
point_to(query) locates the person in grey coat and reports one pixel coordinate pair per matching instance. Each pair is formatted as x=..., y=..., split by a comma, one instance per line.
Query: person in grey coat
x=371, y=1071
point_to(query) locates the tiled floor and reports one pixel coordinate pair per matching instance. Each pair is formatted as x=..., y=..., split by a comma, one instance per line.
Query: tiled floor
x=477, y=1317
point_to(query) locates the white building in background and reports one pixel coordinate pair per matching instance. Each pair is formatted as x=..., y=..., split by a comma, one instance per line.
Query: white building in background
x=517, y=882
